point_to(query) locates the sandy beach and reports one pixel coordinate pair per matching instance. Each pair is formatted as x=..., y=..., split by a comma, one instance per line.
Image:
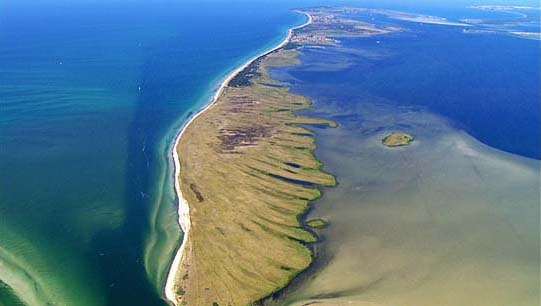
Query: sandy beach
x=183, y=205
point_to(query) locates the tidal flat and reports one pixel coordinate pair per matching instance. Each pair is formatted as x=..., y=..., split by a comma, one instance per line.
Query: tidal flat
x=447, y=219
x=443, y=221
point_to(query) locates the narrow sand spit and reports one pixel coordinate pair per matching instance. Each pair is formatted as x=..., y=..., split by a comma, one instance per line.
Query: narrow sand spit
x=183, y=206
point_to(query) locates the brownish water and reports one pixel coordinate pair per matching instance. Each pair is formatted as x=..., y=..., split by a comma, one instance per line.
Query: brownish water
x=443, y=221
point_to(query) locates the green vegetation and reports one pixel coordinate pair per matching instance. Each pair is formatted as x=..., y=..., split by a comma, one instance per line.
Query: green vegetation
x=316, y=223
x=248, y=171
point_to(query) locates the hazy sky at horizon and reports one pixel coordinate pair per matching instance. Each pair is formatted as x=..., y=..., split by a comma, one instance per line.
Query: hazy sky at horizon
x=451, y=3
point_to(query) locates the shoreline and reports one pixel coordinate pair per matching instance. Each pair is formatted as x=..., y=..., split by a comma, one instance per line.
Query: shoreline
x=183, y=206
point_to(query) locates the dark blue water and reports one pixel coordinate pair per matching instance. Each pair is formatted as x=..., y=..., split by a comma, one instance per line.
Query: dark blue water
x=485, y=84
x=488, y=85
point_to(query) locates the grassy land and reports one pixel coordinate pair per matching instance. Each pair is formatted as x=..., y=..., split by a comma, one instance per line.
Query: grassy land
x=248, y=172
x=316, y=223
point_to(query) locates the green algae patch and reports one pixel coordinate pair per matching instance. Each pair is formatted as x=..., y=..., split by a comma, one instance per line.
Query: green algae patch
x=317, y=223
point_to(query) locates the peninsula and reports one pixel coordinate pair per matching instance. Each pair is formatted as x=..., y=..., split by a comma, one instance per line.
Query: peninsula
x=245, y=173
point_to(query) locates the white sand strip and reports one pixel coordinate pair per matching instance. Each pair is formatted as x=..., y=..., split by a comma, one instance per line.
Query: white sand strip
x=183, y=206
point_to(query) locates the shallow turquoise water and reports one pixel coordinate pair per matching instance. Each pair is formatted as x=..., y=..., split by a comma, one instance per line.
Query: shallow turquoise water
x=92, y=95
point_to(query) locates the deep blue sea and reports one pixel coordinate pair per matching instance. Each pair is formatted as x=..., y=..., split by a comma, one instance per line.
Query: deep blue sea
x=487, y=85
x=92, y=94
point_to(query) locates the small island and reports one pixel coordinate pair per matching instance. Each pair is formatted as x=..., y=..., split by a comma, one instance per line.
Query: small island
x=397, y=139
